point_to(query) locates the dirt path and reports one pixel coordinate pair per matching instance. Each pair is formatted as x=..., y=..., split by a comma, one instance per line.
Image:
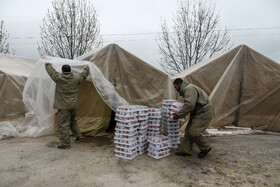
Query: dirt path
x=248, y=160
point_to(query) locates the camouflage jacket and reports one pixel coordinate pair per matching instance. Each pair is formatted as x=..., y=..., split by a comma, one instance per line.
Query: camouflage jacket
x=67, y=86
x=196, y=102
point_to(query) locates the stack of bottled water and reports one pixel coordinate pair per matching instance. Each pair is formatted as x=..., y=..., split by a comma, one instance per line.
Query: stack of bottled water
x=171, y=127
x=137, y=126
x=158, y=146
x=143, y=113
x=126, y=132
x=154, y=121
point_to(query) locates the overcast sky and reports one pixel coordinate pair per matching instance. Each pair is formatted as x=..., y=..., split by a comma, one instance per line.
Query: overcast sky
x=259, y=18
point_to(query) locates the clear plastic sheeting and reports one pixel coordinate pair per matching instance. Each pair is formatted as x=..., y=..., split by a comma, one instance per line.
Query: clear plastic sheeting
x=243, y=86
x=11, y=87
x=38, y=94
x=13, y=74
x=116, y=78
x=7, y=130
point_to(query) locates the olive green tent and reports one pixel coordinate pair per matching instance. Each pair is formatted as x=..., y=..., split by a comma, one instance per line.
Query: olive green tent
x=138, y=82
x=243, y=85
x=14, y=72
x=116, y=77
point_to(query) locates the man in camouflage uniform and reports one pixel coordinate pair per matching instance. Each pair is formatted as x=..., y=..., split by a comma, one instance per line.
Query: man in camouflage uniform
x=66, y=101
x=196, y=102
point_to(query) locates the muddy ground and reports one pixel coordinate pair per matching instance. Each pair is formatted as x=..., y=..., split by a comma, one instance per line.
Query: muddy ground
x=239, y=160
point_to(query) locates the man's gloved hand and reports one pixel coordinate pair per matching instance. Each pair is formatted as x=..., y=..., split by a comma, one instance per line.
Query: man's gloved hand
x=86, y=68
x=175, y=116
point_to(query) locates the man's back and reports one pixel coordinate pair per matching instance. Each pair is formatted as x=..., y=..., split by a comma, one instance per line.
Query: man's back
x=67, y=86
x=199, y=100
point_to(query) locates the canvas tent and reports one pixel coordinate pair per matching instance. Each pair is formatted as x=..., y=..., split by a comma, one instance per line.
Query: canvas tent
x=116, y=78
x=244, y=88
x=13, y=74
x=38, y=97
x=135, y=80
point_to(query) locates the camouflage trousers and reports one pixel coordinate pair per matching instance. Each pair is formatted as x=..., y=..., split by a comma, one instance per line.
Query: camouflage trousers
x=66, y=121
x=193, y=134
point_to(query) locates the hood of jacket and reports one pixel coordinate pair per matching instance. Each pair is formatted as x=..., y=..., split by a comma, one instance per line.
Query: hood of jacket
x=184, y=84
x=67, y=75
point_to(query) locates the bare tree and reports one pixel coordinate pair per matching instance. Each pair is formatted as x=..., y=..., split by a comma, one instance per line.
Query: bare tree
x=195, y=35
x=4, y=45
x=71, y=30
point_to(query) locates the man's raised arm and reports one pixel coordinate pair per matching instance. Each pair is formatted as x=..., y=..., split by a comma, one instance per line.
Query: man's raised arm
x=51, y=71
x=84, y=73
